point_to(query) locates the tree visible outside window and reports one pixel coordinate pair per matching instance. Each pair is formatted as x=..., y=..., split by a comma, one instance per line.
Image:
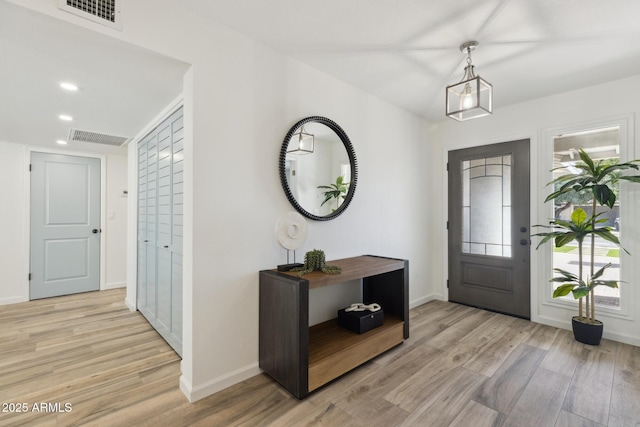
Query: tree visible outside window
x=600, y=144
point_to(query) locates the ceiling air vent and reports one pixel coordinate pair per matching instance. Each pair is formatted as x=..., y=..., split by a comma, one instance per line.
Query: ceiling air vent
x=96, y=138
x=106, y=12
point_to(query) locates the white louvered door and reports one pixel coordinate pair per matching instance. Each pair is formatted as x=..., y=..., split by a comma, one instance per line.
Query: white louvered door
x=160, y=201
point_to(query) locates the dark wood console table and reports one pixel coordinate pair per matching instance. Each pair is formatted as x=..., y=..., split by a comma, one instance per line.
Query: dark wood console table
x=303, y=358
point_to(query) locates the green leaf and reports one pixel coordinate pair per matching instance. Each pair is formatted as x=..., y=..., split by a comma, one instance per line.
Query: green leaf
x=563, y=290
x=578, y=216
x=609, y=283
x=581, y=291
x=604, y=195
x=565, y=238
x=600, y=272
x=586, y=159
x=634, y=178
x=566, y=274
x=607, y=235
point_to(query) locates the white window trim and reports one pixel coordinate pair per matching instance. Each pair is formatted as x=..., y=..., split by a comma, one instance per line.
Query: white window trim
x=544, y=255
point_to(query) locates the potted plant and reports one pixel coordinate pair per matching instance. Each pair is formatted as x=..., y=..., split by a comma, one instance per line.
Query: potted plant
x=336, y=191
x=595, y=177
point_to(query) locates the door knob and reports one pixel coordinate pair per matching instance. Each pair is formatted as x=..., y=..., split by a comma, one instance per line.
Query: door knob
x=523, y=229
x=94, y=231
x=524, y=242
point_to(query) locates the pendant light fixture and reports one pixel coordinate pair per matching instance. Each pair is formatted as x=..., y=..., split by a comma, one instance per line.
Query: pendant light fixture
x=472, y=97
x=301, y=142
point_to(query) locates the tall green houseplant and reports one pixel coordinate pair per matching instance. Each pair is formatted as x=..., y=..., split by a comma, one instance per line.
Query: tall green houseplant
x=595, y=177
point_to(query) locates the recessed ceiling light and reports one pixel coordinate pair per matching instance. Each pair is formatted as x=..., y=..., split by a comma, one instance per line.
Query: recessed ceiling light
x=65, y=117
x=68, y=86
x=61, y=142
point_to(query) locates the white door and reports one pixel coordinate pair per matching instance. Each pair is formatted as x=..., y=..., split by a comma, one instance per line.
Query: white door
x=65, y=225
x=160, y=200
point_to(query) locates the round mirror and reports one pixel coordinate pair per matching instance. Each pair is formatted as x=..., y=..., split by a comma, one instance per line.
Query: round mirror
x=318, y=168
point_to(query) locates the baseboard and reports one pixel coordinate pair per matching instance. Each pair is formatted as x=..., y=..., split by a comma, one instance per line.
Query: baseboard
x=12, y=300
x=194, y=394
x=625, y=339
x=114, y=285
x=131, y=305
x=423, y=300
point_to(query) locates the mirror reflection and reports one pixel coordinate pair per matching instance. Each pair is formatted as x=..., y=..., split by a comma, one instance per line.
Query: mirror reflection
x=318, y=171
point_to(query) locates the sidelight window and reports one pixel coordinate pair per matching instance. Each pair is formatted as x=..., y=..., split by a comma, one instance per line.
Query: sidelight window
x=601, y=145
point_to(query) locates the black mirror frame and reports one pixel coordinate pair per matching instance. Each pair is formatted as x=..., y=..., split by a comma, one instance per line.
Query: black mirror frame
x=352, y=160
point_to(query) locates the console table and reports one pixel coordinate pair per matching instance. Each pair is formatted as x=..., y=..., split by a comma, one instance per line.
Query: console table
x=303, y=358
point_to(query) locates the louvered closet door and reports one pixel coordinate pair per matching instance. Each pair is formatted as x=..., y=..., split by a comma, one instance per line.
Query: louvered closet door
x=160, y=229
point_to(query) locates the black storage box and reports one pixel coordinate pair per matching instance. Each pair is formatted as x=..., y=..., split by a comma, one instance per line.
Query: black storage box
x=360, y=321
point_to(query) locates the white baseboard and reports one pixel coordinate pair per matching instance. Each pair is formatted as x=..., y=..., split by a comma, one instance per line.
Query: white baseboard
x=194, y=394
x=423, y=300
x=625, y=339
x=114, y=285
x=13, y=300
x=131, y=305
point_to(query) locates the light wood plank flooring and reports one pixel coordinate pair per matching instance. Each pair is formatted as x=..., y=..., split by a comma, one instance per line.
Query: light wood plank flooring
x=461, y=367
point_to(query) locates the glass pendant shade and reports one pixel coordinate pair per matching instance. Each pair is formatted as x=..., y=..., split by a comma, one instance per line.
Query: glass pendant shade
x=472, y=97
x=301, y=143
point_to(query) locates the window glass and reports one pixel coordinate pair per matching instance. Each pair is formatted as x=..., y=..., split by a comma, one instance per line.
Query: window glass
x=601, y=145
x=486, y=206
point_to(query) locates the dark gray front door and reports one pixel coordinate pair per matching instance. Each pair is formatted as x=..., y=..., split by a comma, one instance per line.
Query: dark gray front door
x=489, y=227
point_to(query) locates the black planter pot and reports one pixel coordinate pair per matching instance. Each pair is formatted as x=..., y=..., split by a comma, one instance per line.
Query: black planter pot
x=587, y=333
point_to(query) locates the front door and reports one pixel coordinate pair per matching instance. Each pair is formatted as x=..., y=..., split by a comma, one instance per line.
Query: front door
x=489, y=227
x=65, y=225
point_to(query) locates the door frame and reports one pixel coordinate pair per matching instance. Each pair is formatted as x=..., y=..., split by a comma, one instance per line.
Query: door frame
x=103, y=187
x=533, y=194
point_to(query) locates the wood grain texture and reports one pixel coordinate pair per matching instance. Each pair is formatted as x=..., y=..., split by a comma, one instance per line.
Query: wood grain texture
x=501, y=391
x=594, y=372
x=334, y=350
x=540, y=402
x=90, y=351
x=352, y=268
x=478, y=415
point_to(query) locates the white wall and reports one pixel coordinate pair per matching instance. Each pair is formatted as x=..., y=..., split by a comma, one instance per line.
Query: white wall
x=14, y=222
x=240, y=118
x=115, y=232
x=240, y=99
x=606, y=103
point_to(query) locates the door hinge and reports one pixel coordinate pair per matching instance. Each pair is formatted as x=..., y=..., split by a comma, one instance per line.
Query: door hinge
x=29, y=276
x=447, y=166
x=447, y=283
x=447, y=225
x=29, y=167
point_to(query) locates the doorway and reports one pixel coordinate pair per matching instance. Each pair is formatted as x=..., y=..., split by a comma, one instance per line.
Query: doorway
x=65, y=225
x=488, y=227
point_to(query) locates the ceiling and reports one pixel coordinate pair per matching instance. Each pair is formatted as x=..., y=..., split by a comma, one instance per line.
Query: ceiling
x=403, y=51
x=407, y=51
x=122, y=88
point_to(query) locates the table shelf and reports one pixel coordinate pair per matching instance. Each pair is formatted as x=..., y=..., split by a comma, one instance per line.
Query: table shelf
x=303, y=358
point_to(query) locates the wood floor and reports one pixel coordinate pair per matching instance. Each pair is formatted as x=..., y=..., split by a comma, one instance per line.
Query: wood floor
x=92, y=362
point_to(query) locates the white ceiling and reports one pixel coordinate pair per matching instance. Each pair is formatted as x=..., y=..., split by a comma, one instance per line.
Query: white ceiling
x=407, y=51
x=404, y=51
x=121, y=87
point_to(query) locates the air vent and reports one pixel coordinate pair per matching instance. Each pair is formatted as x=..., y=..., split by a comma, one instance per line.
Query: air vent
x=106, y=12
x=96, y=138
